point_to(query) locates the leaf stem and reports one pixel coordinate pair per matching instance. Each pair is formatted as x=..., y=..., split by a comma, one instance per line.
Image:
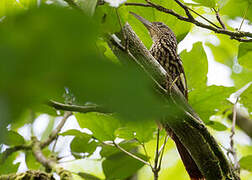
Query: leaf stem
x=130, y=154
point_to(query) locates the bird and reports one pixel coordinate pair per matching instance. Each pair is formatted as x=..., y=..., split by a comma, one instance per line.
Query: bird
x=164, y=50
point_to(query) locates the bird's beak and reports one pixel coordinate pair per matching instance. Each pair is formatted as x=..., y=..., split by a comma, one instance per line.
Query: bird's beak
x=145, y=22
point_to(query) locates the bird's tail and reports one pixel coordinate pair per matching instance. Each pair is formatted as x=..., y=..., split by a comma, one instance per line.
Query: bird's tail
x=190, y=165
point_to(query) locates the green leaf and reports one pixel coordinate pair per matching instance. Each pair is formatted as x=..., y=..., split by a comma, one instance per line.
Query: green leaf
x=209, y=100
x=125, y=133
x=106, y=16
x=72, y=132
x=28, y=3
x=142, y=131
x=88, y=6
x=246, y=98
x=102, y=126
x=87, y=176
x=196, y=66
x=30, y=161
x=7, y=166
x=245, y=55
x=246, y=162
x=207, y=3
x=225, y=51
x=36, y=75
x=241, y=8
x=242, y=78
x=121, y=166
x=83, y=145
x=61, y=58
x=48, y=129
x=8, y=7
x=13, y=139
x=218, y=126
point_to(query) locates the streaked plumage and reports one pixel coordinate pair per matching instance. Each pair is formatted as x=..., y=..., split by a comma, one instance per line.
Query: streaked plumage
x=164, y=50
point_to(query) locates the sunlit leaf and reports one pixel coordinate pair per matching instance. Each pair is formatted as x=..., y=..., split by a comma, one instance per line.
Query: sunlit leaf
x=8, y=7
x=129, y=146
x=225, y=51
x=88, y=6
x=71, y=132
x=125, y=133
x=246, y=162
x=217, y=125
x=196, y=66
x=103, y=126
x=28, y=3
x=121, y=166
x=106, y=16
x=245, y=55
x=207, y=3
x=242, y=78
x=246, y=98
x=210, y=100
x=237, y=8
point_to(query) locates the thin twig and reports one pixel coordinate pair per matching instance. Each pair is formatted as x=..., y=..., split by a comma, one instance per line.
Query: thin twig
x=189, y=15
x=241, y=39
x=77, y=108
x=11, y=150
x=145, y=151
x=219, y=18
x=131, y=155
x=55, y=132
x=244, y=16
x=232, y=148
x=162, y=152
x=210, y=22
x=157, y=150
x=55, y=142
x=138, y=4
x=155, y=168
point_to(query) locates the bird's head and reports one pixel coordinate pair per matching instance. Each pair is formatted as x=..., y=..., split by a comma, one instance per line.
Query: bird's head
x=157, y=30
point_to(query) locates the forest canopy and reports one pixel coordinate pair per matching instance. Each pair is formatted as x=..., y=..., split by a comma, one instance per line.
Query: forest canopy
x=80, y=100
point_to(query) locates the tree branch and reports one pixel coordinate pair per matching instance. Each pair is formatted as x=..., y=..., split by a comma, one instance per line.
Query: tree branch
x=219, y=18
x=232, y=148
x=243, y=122
x=205, y=151
x=48, y=163
x=55, y=132
x=76, y=108
x=237, y=35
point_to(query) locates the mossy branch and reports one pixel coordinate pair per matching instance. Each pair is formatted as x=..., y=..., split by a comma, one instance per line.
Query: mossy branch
x=205, y=151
